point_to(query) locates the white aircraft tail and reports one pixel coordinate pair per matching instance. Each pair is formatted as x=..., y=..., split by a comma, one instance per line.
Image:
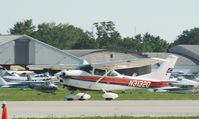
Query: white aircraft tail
x=163, y=72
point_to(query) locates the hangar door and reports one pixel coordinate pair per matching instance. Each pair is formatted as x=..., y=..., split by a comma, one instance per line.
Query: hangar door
x=22, y=51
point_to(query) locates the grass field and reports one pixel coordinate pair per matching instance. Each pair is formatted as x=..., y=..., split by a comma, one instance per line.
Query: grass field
x=122, y=117
x=12, y=94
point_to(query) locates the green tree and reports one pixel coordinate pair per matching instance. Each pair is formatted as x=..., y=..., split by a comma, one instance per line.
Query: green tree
x=63, y=36
x=150, y=43
x=188, y=37
x=107, y=36
x=24, y=27
x=130, y=43
x=87, y=41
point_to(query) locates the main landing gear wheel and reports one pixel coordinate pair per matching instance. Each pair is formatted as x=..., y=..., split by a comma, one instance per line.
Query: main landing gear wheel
x=83, y=96
x=70, y=97
x=110, y=96
x=79, y=96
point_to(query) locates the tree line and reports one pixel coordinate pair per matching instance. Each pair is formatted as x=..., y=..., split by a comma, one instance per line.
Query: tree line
x=103, y=36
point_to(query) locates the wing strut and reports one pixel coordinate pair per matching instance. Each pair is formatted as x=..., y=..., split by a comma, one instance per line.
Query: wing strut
x=100, y=80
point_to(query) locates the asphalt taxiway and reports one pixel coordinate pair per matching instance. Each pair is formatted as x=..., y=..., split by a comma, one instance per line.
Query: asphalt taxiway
x=103, y=108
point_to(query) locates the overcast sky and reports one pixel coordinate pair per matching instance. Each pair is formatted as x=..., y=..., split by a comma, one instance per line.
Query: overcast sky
x=164, y=18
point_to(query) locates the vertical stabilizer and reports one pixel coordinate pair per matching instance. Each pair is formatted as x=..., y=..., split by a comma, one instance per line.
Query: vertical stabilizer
x=163, y=72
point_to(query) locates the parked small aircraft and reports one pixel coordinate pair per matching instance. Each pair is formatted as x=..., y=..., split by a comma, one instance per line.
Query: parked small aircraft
x=105, y=77
x=43, y=86
x=23, y=76
x=179, y=85
x=5, y=84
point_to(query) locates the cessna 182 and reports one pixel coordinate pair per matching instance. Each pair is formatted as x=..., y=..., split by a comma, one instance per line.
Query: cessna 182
x=105, y=77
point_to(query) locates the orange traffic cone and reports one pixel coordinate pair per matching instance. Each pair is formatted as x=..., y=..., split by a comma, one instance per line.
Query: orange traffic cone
x=4, y=112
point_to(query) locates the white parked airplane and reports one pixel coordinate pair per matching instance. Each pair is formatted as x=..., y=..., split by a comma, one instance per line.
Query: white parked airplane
x=105, y=78
x=42, y=86
x=25, y=76
x=179, y=85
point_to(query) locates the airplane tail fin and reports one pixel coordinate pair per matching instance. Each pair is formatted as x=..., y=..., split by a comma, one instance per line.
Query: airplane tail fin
x=163, y=72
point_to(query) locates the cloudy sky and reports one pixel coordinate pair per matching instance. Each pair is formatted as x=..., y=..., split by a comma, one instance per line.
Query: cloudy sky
x=164, y=18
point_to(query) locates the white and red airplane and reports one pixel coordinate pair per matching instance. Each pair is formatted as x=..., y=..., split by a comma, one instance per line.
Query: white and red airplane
x=105, y=77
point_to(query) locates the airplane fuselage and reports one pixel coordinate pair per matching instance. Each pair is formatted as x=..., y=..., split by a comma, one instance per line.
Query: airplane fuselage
x=109, y=83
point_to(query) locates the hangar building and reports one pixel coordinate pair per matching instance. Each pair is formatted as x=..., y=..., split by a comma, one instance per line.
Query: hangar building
x=188, y=57
x=25, y=50
x=189, y=51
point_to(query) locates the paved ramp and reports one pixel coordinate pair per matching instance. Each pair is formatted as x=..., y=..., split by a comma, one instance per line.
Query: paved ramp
x=102, y=108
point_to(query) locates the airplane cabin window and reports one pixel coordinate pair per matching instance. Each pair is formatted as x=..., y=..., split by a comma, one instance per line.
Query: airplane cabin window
x=99, y=72
x=112, y=73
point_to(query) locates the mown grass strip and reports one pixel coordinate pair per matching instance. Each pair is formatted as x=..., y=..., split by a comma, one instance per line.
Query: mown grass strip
x=15, y=94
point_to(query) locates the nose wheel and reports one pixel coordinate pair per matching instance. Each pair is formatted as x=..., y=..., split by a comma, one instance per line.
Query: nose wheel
x=70, y=97
x=78, y=96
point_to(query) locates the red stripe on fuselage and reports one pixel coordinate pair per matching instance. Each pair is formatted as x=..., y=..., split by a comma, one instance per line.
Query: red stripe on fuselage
x=158, y=84
x=123, y=81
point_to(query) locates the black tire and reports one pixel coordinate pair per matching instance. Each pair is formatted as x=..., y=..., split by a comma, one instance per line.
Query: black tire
x=108, y=99
x=69, y=99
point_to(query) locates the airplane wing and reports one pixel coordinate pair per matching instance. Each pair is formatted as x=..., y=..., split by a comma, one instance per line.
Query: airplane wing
x=36, y=82
x=125, y=64
x=174, y=89
x=169, y=88
x=59, y=66
x=165, y=89
x=122, y=64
